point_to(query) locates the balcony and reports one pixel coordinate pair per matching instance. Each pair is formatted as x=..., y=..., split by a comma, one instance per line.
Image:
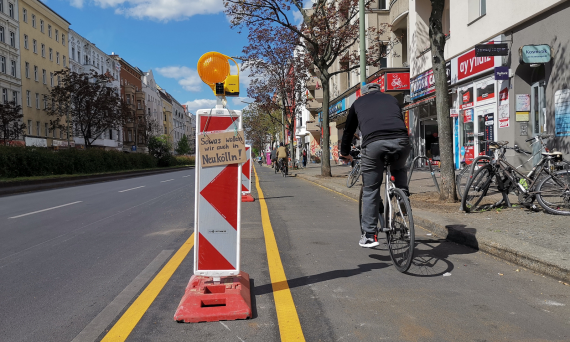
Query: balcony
x=313, y=105
x=398, y=9
x=318, y=95
x=312, y=83
x=313, y=127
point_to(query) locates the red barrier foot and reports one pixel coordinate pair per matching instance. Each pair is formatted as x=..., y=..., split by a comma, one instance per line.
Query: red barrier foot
x=206, y=301
x=247, y=198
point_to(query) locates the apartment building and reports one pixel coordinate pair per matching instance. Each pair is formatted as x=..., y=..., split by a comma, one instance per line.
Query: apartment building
x=10, y=76
x=43, y=36
x=513, y=94
x=167, y=113
x=153, y=102
x=190, y=129
x=134, y=131
x=178, y=121
x=86, y=57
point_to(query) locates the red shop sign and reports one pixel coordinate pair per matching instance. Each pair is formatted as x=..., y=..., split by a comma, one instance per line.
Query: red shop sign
x=469, y=65
x=398, y=81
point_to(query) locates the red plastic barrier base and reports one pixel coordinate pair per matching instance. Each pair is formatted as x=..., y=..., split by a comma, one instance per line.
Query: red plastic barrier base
x=206, y=301
x=247, y=198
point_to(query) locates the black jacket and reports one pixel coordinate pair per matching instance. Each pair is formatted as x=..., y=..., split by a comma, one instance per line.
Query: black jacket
x=378, y=115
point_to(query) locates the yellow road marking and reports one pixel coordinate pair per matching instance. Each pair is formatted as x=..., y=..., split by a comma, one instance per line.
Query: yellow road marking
x=289, y=325
x=122, y=329
x=324, y=187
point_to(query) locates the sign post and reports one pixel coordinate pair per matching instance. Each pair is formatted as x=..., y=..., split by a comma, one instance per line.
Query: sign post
x=246, y=177
x=218, y=290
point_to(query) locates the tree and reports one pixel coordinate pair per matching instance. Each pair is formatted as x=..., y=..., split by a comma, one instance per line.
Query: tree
x=260, y=126
x=11, y=126
x=92, y=106
x=328, y=32
x=437, y=38
x=159, y=147
x=183, y=146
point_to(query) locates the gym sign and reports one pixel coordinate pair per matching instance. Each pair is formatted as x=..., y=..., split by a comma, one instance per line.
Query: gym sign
x=535, y=54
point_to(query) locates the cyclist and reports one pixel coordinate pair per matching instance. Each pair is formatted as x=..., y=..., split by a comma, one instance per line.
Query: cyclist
x=282, y=157
x=384, y=133
x=273, y=157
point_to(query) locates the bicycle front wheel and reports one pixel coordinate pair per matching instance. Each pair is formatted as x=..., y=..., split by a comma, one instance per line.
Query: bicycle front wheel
x=401, y=233
x=554, y=193
x=477, y=190
x=353, y=176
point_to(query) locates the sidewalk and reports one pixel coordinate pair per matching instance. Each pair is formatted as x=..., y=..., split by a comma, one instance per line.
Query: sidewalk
x=534, y=240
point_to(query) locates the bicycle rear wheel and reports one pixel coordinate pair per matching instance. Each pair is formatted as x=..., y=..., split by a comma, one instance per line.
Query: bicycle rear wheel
x=461, y=180
x=478, y=195
x=353, y=176
x=401, y=233
x=554, y=193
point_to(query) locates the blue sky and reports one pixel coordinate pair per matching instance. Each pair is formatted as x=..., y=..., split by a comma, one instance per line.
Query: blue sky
x=167, y=36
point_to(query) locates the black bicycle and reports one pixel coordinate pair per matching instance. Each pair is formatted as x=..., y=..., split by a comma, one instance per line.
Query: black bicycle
x=356, y=171
x=548, y=182
x=399, y=222
x=283, y=167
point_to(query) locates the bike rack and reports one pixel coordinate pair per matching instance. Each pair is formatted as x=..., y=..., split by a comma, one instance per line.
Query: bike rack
x=430, y=169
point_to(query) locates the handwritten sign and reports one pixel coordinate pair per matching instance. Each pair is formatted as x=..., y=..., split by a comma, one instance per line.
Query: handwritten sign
x=221, y=148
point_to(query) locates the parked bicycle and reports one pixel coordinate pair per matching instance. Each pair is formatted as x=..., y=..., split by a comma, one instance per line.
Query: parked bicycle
x=356, y=171
x=548, y=182
x=399, y=222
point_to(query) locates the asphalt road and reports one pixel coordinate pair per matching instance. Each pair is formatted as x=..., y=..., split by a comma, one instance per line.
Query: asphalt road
x=62, y=270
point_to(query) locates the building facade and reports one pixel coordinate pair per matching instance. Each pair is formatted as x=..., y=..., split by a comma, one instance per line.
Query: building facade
x=178, y=122
x=153, y=103
x=167, y=114
x=43, y=38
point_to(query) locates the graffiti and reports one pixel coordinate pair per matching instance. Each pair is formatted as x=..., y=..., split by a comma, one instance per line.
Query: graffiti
x=334, y=152
x=315, y=147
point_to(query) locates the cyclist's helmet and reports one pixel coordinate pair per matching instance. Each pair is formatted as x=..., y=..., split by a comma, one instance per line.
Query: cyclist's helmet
x=369, y=87
x=280, y=144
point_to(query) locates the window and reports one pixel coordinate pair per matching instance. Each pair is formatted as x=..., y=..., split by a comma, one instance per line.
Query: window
x=26, y=41
x=383, y=4
x=3, y=64
x=476, y=9
x=57, y=35
x=2, y=6
x=53, y=133
x=35, y=45
x=43, y=51
x=79, y=56
x=111, y=134
x=41, y=26
x=49, y=31
x=29, y=103
x=15, y=97
x=10, y=10
x=64, y=61
x=50, y=54
x=25, y=12
x=27, y=70
x=35, y=73
x=38, y=102
x=51, y=78
x=44, y=79
x=61, y=134
x=58, y=80
x=37, y=128
x=33, y=20
x=2, y=34
x=13, y=71
x=29, y=127
x=57, y=57
x=73, y=53
x=45, y=102
x=63, y=39
x=46, y=129
x=12, y=39
x=4, y=95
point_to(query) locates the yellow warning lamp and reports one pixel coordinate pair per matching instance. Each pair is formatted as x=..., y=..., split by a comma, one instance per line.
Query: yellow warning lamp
x=214, y=70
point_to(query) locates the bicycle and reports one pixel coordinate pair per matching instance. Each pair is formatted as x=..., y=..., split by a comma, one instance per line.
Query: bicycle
x=552, y=191
x=356, y=171
x=283, y=167
x=399, y=227
x=276, y=168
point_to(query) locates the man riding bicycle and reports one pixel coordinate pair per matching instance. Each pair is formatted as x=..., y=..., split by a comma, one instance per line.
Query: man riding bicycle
x=381, y=123
x=282, y=157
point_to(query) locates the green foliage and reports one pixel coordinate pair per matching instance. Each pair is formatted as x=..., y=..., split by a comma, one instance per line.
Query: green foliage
x=159, y=147
x=183, y=146
x=34, y=161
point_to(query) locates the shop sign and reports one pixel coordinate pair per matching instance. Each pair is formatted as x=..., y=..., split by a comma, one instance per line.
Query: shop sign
x=424, y=84
x=468, y=115
x=397, y=81
x=562, y=112
x=453, y=113
x=489, y=131
x=466, y=97
x=523, y=103
x=522, y=116
x=337, y=107
x=468, y=65
x=37, y=142
x=490, y=50
x=485, y=91
x=501, y=73
x=535, y=54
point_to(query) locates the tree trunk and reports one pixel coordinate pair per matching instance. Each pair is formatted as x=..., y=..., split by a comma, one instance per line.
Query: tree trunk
x=447, y=188
x=325, y=136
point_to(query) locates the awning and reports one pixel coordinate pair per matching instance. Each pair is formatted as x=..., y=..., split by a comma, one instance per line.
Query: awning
x=419, y=103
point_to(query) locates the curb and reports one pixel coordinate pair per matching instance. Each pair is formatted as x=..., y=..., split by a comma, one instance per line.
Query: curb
x=508, y=249
x=49, y=184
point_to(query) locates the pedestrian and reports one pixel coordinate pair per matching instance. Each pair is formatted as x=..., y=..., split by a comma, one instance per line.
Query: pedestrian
x=304, y=158
x=273, y=156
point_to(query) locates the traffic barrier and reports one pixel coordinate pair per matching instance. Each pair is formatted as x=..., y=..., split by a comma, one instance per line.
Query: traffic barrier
x=217, y=290
x=246, y=177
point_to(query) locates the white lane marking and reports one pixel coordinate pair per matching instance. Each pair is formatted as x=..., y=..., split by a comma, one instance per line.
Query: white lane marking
x=92, y=331
x=186, y=176
x=167, y=180
x=138, y=187
x=40, y=211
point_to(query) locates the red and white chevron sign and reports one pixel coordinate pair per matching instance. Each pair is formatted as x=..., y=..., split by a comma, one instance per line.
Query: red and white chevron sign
x=246, y=172
x=217, y=216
